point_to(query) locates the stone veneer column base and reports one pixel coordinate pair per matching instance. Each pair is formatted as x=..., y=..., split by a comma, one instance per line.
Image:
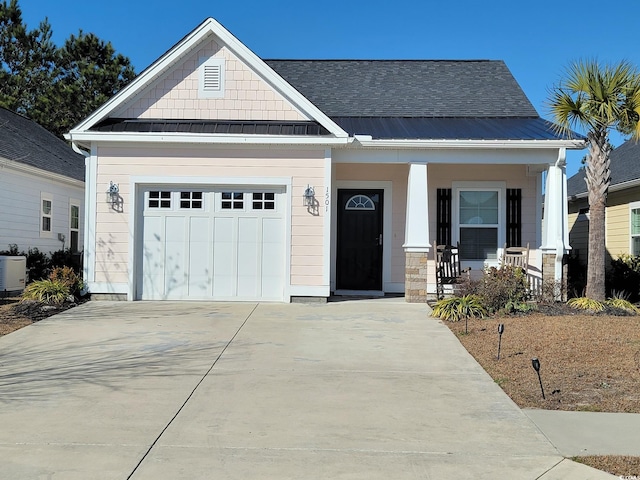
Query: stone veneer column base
x=415, y=277
x=549, y=274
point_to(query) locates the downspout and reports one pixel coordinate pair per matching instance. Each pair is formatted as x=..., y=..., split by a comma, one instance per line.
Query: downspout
x=87, y=197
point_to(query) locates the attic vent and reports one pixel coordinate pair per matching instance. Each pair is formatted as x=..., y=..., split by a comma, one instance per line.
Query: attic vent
x=211, y=78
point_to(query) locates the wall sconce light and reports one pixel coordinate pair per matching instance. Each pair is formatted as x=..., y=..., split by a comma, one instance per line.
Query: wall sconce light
x=113, y=194
x=309, y=196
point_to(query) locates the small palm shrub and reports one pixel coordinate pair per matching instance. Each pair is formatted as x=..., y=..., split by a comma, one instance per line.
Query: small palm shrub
x=586, y=303
x=455, y=309
x=620, y=300
x=68, y=277
x=52, y=292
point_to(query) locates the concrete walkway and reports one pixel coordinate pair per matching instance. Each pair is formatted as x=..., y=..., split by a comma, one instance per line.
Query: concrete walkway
x=590, y=433
x=348, y=390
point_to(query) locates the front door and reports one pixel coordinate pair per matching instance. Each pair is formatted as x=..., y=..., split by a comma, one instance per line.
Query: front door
x=359, y=246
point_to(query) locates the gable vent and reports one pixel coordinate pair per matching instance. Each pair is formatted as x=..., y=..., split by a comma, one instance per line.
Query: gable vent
x=211, y=78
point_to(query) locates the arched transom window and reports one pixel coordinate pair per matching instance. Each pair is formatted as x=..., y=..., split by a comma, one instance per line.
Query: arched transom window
x=360, y=202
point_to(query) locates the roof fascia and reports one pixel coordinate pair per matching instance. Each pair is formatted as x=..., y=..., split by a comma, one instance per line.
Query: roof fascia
x=191, y=40
x=613, y=188
x=39, y=172
x=420, y=144
x=202, y=138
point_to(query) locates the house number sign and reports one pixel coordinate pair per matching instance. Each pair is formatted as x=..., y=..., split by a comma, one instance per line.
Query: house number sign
x=326, y=200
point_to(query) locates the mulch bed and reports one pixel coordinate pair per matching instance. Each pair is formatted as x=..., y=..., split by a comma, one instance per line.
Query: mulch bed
x=15, y=314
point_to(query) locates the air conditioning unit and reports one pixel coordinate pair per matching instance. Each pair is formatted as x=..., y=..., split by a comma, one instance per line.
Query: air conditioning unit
x=13, y=273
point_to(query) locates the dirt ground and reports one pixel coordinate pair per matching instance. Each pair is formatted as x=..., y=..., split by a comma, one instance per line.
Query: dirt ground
x=587, y=363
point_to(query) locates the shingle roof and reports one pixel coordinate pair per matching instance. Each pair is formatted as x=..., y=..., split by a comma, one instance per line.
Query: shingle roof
x=625, y=167
x=23, y=140
x=407, y=88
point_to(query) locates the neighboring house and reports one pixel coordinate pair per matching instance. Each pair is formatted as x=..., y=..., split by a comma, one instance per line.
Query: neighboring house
x=622, y=214
x=247, y=179
x=41, y=188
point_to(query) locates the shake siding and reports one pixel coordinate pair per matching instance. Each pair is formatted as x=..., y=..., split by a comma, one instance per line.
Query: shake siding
x=175, y=94
x=398, y=175
x=304, y=167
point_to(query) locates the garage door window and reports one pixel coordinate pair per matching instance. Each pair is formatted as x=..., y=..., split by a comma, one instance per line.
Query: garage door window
x=232, y=201
x=159, y=199
x=264, y=201
x=191, y=200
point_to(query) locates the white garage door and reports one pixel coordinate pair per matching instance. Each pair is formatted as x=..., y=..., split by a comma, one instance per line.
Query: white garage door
x=216, y=244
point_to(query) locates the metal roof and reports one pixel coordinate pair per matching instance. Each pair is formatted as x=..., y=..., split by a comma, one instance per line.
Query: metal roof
x=23, y=140
x=508, y=128
x=625, y=167
x=407, y=88
x=212, y=126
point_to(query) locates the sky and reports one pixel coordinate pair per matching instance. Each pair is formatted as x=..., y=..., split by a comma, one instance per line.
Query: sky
x=536, y=39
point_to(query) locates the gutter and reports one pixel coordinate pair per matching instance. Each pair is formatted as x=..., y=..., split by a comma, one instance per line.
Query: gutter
x=613, y=188
x=367, y=141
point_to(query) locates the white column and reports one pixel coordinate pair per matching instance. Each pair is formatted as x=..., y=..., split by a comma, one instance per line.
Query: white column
x=416, y=238
x=555, y=238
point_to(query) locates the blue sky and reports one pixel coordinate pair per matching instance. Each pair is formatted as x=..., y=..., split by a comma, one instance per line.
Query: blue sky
x=536, y=39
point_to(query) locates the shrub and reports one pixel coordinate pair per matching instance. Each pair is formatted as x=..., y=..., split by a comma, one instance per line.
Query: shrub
x=586, y=303
x=68, y=277
x=620, y=300
x=53, y=292
x=625, y=276
x=499, y=287
x=456, y=308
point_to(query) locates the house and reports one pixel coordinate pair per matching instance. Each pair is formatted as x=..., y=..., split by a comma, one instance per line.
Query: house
x=622, y=213
x=41, y=188
x=238, y=178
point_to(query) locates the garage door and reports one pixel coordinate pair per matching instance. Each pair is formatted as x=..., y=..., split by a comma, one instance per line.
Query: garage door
x=216, y=244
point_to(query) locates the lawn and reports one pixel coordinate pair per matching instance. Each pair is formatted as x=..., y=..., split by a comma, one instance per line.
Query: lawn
x=587, y=363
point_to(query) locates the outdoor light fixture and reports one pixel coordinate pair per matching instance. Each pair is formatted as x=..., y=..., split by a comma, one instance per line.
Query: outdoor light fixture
x=309, y=196
x=500, y=332
x=535, y=363
x=113, y=194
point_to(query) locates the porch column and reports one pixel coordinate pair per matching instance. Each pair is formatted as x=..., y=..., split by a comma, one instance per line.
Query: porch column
x=416, y=245
x=555, y=238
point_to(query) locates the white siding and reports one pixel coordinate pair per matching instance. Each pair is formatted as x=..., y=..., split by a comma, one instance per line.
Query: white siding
x=20, y=196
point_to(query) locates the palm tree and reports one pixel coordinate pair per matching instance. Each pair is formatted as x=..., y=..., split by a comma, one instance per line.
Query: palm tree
x=598, y=98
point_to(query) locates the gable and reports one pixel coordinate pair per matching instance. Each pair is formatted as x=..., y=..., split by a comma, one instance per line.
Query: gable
x=180, y=93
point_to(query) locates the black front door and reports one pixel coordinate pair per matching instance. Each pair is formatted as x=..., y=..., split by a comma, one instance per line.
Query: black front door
x=359, y=246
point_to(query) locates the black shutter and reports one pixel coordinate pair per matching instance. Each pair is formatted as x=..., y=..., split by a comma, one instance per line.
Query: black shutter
x=514, y=217
x=443, y=225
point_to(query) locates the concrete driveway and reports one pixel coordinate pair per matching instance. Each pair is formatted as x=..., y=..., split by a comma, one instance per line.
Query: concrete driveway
x=345, y=390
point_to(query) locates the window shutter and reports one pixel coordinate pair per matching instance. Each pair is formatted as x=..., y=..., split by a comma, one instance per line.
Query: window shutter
x=443, y=225
x=514, y=217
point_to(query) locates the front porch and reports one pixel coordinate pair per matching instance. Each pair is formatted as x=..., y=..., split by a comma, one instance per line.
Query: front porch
x=482, y=200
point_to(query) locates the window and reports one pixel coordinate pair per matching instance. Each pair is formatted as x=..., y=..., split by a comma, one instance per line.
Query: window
x=635, y=229
x=74, y=227
x=360, y=202
x=159, y=199
x=211, y=78
x=192, y=200
x=478, y=224
x=46, y=214
x=232, y=201
x=264, y=201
